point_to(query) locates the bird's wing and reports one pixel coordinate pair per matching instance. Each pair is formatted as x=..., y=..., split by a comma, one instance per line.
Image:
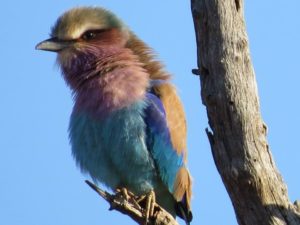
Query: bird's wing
x=159, y=142
x=169, y=160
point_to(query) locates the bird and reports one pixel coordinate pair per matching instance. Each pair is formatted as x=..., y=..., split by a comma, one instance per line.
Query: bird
x=128, y=127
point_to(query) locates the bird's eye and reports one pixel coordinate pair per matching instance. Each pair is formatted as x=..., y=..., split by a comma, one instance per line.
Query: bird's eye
x=89, y=35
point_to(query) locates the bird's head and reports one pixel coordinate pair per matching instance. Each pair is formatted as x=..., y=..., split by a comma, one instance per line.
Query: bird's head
x=84, y=26
x=84, y=35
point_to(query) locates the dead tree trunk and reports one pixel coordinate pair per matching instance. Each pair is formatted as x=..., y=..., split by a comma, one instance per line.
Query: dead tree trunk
x=238, y=134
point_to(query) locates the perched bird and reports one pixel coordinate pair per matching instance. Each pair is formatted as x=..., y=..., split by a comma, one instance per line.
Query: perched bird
x=127, y=128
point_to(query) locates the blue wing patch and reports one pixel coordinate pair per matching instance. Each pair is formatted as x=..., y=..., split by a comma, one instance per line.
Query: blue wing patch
x=159, y=143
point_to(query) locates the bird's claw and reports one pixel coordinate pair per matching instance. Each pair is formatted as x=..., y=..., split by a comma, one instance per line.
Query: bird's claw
x=122, y=193
x=150, y=204
x=128, y=196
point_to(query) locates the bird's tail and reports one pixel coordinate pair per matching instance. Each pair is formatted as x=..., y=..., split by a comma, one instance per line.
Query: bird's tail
x=183, y=211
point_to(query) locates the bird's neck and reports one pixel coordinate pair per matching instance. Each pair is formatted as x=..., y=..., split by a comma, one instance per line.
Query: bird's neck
x=107, y=82
x=154, y=67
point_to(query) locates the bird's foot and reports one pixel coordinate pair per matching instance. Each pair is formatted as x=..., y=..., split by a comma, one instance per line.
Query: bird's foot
x=150, y=201
x=122, y=193
x=128, y=196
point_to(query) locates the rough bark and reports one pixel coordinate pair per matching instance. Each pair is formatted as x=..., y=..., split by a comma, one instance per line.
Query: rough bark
x=238, y=134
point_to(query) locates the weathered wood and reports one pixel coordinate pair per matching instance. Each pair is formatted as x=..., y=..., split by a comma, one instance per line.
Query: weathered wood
x=238, y=134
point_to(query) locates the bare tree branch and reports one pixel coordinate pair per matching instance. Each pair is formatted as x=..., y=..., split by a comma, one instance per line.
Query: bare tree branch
x=129, y=206
x=238, y=134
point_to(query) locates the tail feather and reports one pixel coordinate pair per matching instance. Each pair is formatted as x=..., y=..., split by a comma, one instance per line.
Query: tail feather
x=183, y=211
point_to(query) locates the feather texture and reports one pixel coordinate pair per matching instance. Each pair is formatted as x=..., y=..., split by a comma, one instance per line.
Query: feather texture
x=127, y=128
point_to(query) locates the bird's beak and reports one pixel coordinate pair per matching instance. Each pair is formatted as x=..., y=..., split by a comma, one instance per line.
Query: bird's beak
x=53, y=45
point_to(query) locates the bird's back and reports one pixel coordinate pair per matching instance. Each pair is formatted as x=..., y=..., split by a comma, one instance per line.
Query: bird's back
x=175, y=121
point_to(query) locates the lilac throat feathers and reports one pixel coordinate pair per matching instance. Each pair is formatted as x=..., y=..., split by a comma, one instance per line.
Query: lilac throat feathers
x=105, y=81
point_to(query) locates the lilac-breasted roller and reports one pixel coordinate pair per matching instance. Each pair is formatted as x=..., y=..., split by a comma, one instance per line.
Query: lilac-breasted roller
x=127, y=128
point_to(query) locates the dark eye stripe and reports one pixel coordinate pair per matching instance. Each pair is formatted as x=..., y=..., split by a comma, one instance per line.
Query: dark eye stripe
x=91, y=34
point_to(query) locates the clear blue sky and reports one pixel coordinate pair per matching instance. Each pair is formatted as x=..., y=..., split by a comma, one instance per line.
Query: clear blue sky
x=39, y=182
